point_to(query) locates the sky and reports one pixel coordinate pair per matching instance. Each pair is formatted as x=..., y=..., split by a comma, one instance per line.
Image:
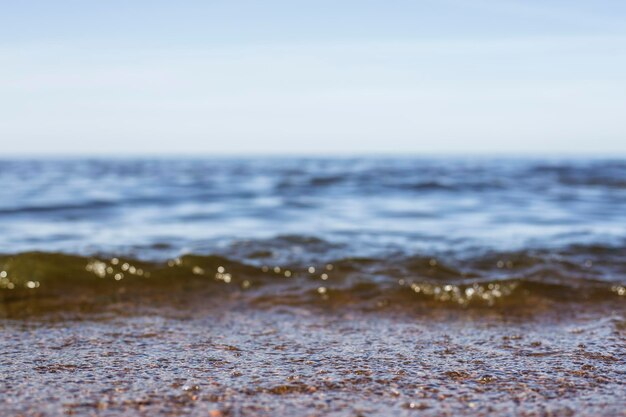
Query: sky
x=213, y=77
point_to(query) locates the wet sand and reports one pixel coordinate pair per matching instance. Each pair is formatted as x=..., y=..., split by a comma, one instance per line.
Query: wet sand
x=291, y=361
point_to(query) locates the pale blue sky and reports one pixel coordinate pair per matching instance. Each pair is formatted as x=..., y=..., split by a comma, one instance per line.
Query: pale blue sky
x=242, y=77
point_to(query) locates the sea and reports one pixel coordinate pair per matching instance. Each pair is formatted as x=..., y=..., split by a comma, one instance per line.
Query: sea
x=450, y=229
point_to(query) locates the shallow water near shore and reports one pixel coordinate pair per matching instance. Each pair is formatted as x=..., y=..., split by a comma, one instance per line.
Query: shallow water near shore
x=347, y=287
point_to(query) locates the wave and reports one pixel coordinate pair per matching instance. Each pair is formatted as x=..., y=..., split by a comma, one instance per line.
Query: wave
x=490, y=280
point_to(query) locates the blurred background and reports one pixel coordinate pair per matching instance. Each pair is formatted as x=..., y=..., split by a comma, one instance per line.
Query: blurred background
x=450, y=142
x=141, y=78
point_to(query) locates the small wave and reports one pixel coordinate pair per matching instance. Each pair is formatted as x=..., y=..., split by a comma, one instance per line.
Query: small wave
x=407, y=281
x=52, y=208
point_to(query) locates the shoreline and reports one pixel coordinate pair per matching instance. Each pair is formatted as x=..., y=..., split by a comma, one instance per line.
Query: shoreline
x=228, y=361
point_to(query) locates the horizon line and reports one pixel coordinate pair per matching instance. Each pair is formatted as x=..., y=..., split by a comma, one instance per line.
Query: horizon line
x=317, y=154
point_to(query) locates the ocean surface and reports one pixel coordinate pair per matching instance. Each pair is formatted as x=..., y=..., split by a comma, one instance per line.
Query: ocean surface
x=453, y=231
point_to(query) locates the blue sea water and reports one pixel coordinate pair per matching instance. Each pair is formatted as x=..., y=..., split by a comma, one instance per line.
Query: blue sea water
x=442, y=220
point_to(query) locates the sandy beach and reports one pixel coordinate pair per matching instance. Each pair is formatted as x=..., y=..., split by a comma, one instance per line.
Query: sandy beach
x=225, y=361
